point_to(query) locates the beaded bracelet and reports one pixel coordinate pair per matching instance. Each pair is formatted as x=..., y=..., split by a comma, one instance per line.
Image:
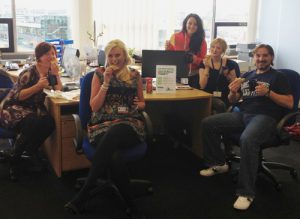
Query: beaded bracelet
x=104, y=87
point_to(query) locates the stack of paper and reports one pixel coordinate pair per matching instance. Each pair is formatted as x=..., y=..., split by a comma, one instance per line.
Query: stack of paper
x=69, y=95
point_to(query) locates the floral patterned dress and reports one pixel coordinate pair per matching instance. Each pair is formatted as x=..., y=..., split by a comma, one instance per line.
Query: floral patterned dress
x=13, y=110
x=119, y=96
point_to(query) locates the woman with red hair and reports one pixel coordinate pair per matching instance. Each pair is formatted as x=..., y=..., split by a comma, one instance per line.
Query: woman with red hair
x=23, y=109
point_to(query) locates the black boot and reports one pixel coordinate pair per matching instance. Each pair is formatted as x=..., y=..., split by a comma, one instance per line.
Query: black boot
x=19, y=147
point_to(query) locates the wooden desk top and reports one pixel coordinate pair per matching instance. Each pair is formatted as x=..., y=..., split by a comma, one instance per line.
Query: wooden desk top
x=14, y=74
x=178, y=95
x=193, y=94
x=63, y=102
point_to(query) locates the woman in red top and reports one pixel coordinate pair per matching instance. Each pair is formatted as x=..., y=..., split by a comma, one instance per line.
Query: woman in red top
x=191, y=38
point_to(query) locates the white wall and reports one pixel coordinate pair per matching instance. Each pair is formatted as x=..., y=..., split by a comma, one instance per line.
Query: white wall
x=278, y=26
x=81, y=23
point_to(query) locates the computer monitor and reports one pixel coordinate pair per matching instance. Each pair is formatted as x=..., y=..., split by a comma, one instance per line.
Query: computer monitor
x=69, y=52
x=68, y=55
x=151, y=58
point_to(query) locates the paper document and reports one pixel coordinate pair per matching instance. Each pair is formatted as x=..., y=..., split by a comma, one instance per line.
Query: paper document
x=70, y=95
x=165, y=78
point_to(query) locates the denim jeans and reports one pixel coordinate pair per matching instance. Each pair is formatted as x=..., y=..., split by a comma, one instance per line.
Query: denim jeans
x=254, y=130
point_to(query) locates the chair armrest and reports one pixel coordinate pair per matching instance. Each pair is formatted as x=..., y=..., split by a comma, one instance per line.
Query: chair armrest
x=78, y=139
x=283, y=121
x=148, y=125
x=283, y=135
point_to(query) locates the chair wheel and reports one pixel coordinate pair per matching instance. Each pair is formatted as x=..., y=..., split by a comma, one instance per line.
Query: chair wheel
x=278, y=187
x=294, y=174
x=150, y=190
x=78, y=186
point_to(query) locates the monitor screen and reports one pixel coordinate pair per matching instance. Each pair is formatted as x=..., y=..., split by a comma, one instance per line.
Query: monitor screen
x=151, y=58
x=68, y=56
x=69, y=52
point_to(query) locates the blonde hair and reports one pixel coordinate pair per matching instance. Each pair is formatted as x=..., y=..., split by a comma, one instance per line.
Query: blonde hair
x=124, y=73
x=221, y=41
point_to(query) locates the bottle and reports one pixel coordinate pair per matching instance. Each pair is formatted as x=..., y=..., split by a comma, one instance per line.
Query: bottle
x=149, y=87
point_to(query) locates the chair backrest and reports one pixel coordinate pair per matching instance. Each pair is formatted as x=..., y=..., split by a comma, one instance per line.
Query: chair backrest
x=84, y=104
x=5, y=80
x=294, y=80
x=237, y=69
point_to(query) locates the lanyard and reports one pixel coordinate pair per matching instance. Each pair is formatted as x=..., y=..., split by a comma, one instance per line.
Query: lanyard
x=220, y=72
x=212, y=63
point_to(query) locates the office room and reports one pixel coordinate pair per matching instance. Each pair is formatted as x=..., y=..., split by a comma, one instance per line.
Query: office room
x=169, y=166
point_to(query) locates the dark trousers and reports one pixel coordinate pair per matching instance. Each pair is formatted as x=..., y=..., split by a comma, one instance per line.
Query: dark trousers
x=108, y=156
x=35, y=129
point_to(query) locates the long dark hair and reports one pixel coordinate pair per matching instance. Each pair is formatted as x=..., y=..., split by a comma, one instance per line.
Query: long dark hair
x=198, y=36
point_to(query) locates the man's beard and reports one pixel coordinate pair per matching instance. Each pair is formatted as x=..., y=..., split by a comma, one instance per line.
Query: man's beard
x=264, y=67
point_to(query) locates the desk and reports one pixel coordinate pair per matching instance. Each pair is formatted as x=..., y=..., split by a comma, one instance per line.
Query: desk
x=59, y=146
x=190, y=105
x=14, y=74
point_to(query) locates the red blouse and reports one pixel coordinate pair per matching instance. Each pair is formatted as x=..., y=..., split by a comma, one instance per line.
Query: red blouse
x=181, y=41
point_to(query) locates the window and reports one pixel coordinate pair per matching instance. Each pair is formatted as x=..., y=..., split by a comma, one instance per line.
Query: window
x=233, y=32
x=140, y=24
x=6, y=9
x=148, y=24
x=231, y=20
x=37, y=20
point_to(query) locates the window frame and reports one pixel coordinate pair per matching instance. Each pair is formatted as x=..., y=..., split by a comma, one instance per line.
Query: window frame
x=11, y=43
x=228, y=24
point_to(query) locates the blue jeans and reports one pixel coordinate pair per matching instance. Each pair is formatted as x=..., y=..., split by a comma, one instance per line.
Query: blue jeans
x=254, y=130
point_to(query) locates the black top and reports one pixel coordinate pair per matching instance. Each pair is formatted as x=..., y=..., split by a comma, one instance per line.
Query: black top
x=217, y=81
x=254, y=104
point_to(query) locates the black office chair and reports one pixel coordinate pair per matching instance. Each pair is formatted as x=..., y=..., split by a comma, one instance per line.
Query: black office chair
x=82, y=144
x=282, y=137
x=5, y=85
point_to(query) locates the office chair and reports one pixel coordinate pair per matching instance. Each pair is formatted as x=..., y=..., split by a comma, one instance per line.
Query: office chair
x=5, y=85
x=82, y=144
x=281, y=138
